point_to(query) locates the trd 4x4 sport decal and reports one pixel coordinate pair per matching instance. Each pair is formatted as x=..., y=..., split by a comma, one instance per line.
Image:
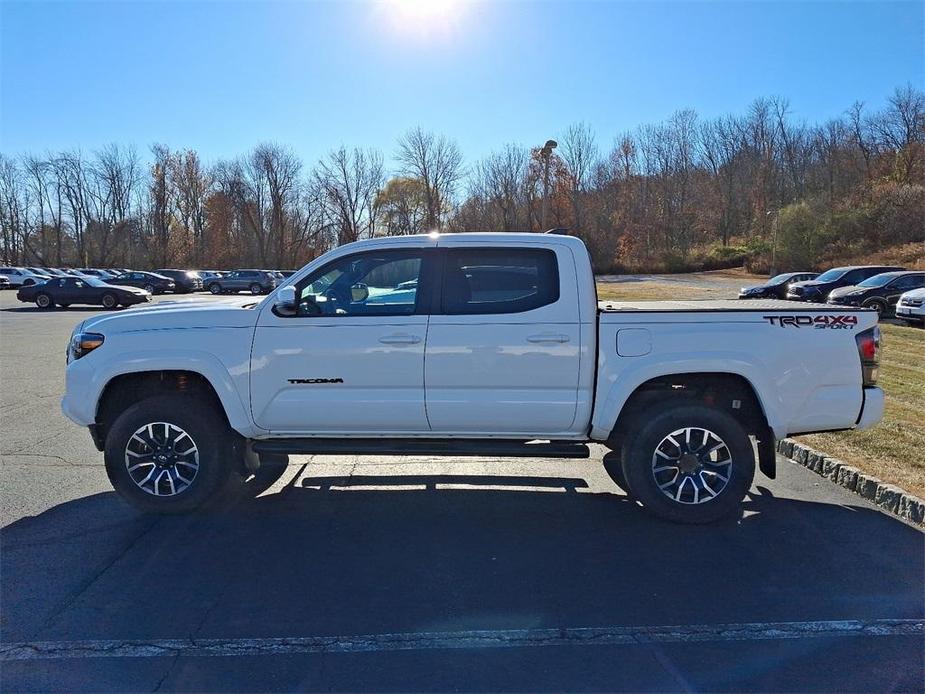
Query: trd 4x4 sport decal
x=837, y=322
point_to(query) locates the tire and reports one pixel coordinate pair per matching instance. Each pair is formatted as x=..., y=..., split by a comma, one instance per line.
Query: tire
x=109, y=301
x=701, y=490
x=149, y=288
x=215, y=288
x=28, y=283
x=201, y=425
x=879, y=305
x=256, y=288
x=44, y=301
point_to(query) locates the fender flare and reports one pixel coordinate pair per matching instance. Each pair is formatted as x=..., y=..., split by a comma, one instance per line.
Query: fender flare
x=628, y=380
x=206, y=365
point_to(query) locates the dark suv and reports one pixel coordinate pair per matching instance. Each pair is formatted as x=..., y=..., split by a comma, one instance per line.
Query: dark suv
x=149, y=281
x=817, y=290
x=253, y=281
x=880, y=292
x=186, y=281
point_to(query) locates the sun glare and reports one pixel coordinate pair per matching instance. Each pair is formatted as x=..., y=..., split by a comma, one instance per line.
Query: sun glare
x=423, y=15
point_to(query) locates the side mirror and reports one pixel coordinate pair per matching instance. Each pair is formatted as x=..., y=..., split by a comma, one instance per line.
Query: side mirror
x=359, y=292
x=285, y=301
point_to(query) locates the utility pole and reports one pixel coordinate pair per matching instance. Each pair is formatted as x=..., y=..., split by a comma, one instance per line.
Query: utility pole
x=546, y=152
x=773, y=242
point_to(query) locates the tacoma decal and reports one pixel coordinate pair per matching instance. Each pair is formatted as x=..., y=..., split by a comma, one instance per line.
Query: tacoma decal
x=836, y=322
x=315, y=381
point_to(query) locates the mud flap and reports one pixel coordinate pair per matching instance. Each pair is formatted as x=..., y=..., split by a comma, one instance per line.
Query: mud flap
x=767, y=454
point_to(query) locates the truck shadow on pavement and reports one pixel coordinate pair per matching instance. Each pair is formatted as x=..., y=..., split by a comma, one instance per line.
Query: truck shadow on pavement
x=373, y=555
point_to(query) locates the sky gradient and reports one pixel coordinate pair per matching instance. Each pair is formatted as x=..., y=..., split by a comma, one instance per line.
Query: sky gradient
x=220, y=77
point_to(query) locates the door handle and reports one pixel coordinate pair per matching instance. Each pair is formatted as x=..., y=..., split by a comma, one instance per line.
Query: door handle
x=399, y=339
x=548, y=338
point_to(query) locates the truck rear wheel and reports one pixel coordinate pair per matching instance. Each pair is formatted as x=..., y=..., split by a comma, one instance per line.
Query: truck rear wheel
x=689, y=464
x=165, y=456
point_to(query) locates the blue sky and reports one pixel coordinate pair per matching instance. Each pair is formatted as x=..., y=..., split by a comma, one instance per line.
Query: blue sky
x=222, y=76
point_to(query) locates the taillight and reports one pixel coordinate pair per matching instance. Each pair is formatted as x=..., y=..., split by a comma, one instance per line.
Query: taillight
x=869, y=351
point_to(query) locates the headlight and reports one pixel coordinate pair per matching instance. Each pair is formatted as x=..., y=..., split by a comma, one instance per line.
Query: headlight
x=83, y=343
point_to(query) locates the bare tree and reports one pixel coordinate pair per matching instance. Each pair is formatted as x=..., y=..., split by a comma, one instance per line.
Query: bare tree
x=350, y=181
x=579, y=152
x=437, y=162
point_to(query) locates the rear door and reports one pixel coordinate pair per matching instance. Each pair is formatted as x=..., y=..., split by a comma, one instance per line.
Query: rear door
x=503, y=351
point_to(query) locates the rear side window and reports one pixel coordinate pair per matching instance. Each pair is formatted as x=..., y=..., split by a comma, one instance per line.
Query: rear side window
x=499, y=280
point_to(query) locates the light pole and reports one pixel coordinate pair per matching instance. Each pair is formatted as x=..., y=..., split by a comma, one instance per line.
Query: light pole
x=773, y=242
x=546, y=152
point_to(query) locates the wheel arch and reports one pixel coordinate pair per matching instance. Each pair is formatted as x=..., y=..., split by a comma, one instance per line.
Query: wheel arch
x=727, y=391
x=141, y=379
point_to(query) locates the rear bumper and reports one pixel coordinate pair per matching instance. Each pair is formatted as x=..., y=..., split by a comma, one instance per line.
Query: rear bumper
x=872, y=409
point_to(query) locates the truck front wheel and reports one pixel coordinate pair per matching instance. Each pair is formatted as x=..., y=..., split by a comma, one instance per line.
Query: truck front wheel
x=689, y=464
x=165, y=456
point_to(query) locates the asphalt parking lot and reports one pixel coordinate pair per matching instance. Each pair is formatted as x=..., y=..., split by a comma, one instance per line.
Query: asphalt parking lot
x=358, y=573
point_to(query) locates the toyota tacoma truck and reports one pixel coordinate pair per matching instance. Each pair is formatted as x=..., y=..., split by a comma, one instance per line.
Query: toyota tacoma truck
x=470, y=344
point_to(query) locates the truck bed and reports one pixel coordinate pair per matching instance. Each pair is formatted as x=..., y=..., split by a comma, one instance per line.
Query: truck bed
x=702, y=305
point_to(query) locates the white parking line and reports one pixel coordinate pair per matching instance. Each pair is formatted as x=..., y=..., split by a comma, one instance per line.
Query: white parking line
x=515, y=638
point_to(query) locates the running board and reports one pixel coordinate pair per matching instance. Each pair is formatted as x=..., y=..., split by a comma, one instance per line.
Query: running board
x=442, y=447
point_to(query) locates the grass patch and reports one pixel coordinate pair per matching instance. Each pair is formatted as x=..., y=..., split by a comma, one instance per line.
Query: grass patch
x=890, y=449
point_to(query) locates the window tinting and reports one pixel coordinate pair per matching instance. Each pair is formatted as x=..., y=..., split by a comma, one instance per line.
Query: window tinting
x=498, y=280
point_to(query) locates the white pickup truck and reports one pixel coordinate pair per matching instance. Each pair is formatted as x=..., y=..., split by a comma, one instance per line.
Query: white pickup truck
x=469, y=344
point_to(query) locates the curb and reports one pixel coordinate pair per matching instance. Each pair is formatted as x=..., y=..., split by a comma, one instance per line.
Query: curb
x=888, y=497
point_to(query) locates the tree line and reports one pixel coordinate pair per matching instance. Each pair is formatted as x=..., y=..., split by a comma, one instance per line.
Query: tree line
x=757, y=188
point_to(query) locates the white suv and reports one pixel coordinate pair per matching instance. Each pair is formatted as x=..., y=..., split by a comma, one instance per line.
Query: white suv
x=911, y=306
x=22, y=277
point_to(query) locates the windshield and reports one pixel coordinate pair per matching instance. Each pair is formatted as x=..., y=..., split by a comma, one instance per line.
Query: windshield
x=94, y=282
x=830, y=275
x=877, y=281
x=780, y=278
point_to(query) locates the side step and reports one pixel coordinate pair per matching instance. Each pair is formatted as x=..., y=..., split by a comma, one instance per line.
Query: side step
x=448, y=447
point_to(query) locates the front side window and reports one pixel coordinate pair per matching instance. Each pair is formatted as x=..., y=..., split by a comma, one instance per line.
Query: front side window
x=499, y=280
x=383, y=283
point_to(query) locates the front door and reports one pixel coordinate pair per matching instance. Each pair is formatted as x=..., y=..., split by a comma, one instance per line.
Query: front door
x=351, y=358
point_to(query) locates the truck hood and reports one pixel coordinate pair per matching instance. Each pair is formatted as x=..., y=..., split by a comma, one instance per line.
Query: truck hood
x=178, y=315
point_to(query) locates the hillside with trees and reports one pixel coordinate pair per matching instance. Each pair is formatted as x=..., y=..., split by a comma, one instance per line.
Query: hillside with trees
x=757, y=188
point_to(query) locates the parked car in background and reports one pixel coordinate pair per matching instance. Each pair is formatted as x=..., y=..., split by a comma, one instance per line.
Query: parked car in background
x=911, y=307
x=22, y=277
x=253, y=281
x=52, y=272
x=287, y=273
x=5, y=282
x=207, y=275
x=65, y=291
x=186, y=281
x=818, y=289
x=776, y=287
x=104, y=275
x=149, y=281
x=880, y=292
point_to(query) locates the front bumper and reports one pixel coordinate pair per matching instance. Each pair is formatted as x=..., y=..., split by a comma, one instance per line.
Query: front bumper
x=911, y=313
x=872, y=409
x=844, y=301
